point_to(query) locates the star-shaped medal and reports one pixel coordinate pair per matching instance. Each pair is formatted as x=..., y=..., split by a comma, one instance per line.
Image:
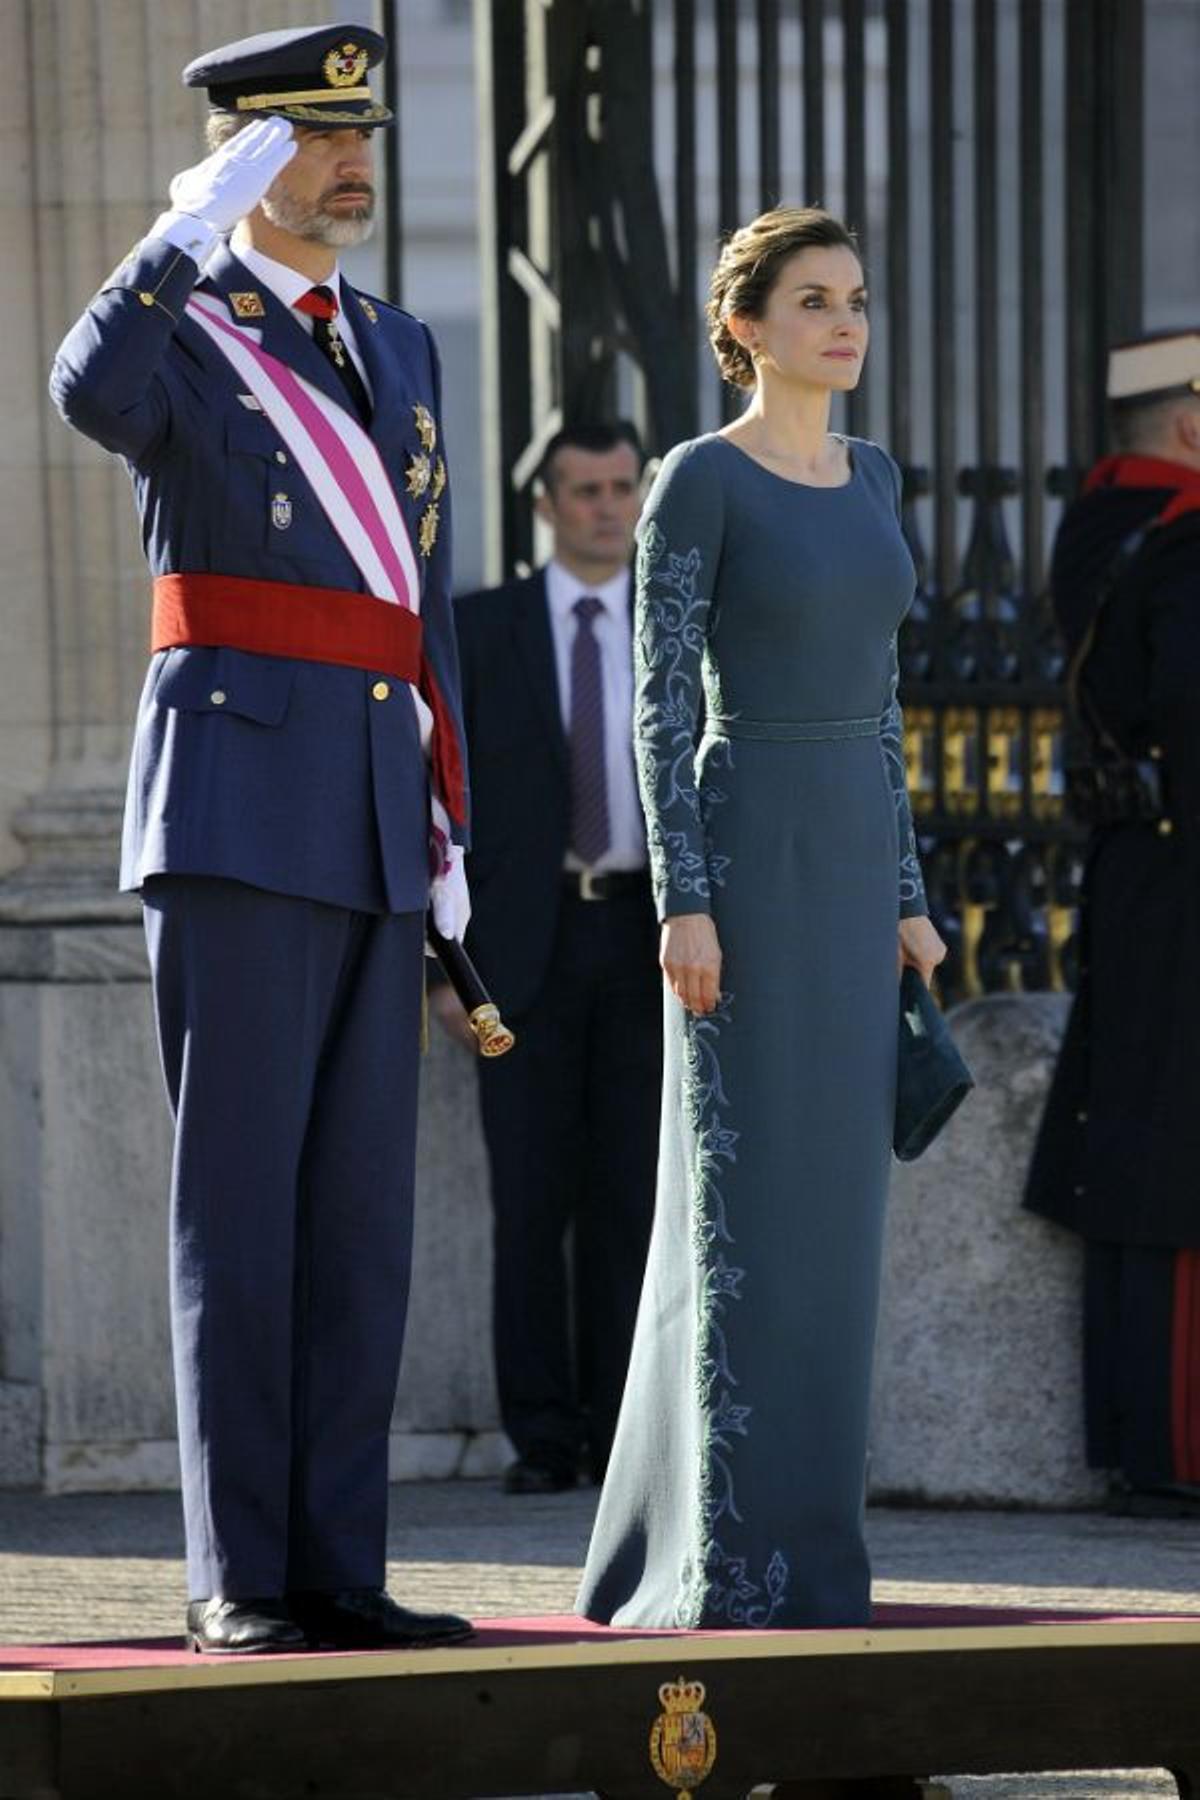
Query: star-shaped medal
x=418, y=475
x=426, y=428
x=427, y=537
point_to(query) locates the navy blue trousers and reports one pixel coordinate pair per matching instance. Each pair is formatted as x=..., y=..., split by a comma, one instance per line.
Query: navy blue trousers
x=289, y=1035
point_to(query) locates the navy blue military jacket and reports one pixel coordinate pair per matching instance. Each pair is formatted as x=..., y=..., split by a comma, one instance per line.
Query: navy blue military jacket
x=300, y=777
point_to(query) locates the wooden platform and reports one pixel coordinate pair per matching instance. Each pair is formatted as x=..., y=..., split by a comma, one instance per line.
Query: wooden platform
x=536, y=1706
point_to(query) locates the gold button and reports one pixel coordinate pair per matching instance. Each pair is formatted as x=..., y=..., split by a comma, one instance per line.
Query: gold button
x=217, y=696
x=1156, y=752
x=281, y=456
x=146, y=298
x=1165, y=828
x=380, y=691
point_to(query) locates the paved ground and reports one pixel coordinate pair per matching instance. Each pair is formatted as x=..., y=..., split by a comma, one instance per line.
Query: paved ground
x=109, y=1565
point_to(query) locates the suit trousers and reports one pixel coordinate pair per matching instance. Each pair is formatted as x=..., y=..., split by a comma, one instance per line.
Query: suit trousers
x=289, y=1037
x=571, y=1123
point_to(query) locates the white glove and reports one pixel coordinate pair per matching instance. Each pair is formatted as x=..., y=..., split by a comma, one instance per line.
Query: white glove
x=210, y=198
x=448, y=896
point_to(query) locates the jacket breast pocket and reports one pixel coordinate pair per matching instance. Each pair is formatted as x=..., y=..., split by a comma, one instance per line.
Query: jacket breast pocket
x=232, y=683
x=268, y=494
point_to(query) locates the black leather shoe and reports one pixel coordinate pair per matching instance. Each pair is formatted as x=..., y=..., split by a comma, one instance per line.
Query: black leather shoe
x=525, y=1476
x=241, y=1627
x=369, y=1619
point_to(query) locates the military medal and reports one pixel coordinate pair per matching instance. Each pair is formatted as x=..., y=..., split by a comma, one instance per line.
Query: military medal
x=439, y=479
x=418, y=476
x=336, y=348
x=281, y=512
x=426, y=428
x=427, y=536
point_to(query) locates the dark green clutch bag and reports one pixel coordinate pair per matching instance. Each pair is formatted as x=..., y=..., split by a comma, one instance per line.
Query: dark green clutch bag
x=932, y=1079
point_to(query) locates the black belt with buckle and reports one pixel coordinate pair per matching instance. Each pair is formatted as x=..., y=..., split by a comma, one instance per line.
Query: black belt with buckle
x=618, y=884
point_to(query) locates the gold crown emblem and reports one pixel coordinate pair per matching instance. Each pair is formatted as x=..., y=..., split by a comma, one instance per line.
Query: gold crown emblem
x=345, y=65
x=682, y=1696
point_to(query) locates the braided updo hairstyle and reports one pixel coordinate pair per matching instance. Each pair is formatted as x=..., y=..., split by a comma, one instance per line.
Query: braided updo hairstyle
x=748, y=267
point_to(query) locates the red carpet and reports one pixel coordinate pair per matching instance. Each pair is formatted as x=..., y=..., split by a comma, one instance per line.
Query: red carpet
x=505, y=1634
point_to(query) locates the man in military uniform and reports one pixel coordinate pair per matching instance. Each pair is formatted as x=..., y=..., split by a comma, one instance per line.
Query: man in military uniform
x=1118, y=1156
x=295, y=803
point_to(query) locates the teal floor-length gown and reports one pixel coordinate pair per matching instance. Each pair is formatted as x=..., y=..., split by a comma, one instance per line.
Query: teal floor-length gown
x=767, y=614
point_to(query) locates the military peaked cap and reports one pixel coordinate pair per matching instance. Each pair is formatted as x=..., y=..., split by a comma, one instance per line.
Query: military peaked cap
x=315, y=77
x=1168, y=362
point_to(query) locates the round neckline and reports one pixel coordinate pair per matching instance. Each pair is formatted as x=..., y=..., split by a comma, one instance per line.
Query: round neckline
x=812, y=487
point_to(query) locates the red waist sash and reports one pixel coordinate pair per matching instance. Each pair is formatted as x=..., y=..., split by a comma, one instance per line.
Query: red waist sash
x=276, y=618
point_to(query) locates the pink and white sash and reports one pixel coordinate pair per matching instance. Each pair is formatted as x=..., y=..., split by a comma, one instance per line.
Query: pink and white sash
x=334, y=454
x=347, y=475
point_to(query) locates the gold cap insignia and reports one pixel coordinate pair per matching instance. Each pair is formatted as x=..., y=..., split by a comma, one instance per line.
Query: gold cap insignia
x=370, y=311
x=345, y=65
x=439, y=479
x=427, y=536
x=683, y=1740
x=426, y=429
x=247, y=306
x=418, y=475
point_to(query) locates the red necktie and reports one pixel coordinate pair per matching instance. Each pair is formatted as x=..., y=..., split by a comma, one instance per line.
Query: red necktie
x=320, y=303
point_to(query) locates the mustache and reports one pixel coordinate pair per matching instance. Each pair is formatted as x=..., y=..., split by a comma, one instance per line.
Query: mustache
x=357, y=190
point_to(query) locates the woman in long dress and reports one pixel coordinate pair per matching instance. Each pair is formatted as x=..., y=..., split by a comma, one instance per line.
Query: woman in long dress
x=772, y=578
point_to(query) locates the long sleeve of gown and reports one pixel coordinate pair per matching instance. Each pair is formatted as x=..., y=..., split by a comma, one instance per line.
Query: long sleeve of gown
x=891, y=732
x=679, y=547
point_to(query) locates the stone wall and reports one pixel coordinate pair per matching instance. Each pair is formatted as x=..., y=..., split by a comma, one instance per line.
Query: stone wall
x=978, y=1387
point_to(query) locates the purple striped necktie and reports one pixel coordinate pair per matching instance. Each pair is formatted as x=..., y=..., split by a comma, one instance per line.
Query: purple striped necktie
x=590, y=832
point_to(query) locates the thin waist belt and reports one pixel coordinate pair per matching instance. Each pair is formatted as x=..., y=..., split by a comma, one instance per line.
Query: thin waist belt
x=791, y=731
x=278, y=618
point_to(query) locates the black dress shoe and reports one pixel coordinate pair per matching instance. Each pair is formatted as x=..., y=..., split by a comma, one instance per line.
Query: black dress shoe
x=369, y=1619
x=241, y=1627
x=525, y=1476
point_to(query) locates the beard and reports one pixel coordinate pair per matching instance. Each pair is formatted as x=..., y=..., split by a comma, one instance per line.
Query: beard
x=310, y=220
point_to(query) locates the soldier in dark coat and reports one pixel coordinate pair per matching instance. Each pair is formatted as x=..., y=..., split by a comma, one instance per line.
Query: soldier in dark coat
x=1118, y=1155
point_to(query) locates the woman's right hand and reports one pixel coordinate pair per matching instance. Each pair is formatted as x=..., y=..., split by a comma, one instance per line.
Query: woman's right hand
x=691, y=960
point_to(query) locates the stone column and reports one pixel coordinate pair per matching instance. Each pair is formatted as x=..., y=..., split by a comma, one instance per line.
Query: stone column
x=95, y=124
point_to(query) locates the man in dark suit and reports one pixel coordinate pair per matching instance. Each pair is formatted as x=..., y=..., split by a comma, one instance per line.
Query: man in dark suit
x=282, y=434
x=563, y=926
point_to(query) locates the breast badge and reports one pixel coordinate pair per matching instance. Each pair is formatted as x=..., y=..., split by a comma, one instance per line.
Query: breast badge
x=683, y=1740
x=281, y=512
x=426, y=428
x=418, y=476
x=248, y=305
x=427, y=535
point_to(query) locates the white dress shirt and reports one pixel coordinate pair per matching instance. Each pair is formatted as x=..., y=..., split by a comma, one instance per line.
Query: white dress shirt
x=613, y=629
x=288, y=285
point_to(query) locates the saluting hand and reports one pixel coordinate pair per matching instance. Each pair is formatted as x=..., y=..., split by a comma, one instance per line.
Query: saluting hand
x=230, y=183
x=690, y=956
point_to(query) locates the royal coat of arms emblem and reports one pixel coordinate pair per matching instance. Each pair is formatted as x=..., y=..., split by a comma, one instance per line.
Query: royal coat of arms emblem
x=683, y=1739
